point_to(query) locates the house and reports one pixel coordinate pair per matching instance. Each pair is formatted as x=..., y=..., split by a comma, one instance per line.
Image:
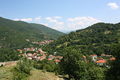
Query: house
x=103, y=54
x=51, y=56
x=19, y=50
x=50, y=59
x=41, y=51
x=59, y=57
x=29, y=58
x=101, y=62
x=57, y=60
x=42, y=58
x=29, y=54
x=112, y=59
x=34, y=54
x=38, y=58
x=34, y=57
x=27, y=40
x=94, y=57
x=84, y=58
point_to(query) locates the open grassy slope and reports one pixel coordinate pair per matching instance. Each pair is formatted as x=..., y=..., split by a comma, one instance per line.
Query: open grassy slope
x=40, y=75
x=6, y=74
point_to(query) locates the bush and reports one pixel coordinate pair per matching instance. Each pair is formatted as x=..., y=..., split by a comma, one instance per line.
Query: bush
x=46, y=65
x=22, y=70
x=77, y=68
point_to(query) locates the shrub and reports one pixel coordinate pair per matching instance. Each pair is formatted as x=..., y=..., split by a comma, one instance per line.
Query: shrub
x=22, y=70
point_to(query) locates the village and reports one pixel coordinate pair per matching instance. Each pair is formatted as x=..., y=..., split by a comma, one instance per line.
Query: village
x=38, y=54
x=103, y=59
x=43, y=42
x=40, y=42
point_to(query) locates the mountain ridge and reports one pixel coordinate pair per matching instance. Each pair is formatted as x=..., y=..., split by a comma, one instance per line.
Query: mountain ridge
x=95, y=39
x=14, y=33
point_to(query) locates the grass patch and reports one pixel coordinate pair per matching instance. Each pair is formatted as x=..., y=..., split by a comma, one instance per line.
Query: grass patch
x=40, y=75
x=5, y=73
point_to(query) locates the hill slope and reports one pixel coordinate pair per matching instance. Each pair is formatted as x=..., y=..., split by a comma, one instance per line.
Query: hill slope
x=6, y=74
x=53, y=34
x=13, y=34
x=96, y=39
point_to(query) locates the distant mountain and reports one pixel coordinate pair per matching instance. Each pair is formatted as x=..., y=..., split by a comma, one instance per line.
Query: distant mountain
x=95, y=39
x=13, y=34
x=51, y=33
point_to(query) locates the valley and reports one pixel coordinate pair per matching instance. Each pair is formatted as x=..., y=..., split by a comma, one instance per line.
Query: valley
x=87, y=53
x=59, y=39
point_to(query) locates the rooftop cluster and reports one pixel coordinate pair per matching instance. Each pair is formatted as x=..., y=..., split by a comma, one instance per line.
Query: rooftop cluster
x=103, y=59
x=38, y=54
x=43, y=42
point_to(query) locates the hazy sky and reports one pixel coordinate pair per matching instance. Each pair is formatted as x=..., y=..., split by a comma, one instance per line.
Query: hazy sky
x=63, y=15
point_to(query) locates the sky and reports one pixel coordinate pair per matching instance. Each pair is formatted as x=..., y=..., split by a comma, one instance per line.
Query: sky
x=62, y=15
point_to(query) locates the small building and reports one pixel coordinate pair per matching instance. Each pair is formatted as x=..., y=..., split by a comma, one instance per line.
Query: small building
x=101, y=62
x=57, y=60
x=94, y=57
x=29, y=54
x=50, y=59
x=29, y=58
x=112, y=59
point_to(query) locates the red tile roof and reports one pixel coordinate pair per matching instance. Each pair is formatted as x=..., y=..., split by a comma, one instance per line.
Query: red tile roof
x=56, y=60
x=113, y=58
x=101, y=61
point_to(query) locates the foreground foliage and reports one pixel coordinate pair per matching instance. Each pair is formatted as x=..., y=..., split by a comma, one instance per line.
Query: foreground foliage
x=5, y=73
x=7, y=54
x=45, y=65
x=22, y=70
x=114, y=72
x=78, y=68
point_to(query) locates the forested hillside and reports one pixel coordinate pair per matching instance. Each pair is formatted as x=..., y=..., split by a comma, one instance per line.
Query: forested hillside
x=96, y=39
x=19, y=34
x=14, y=33
x=50, y=33
x=78, y=49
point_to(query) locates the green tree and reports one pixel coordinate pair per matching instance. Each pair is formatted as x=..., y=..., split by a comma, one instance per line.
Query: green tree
x=114, y=72
x=22, y=70
x=7, y=54
x=79, y=68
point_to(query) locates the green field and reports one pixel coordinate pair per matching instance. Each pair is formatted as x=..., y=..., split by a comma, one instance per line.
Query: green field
x=5, y=73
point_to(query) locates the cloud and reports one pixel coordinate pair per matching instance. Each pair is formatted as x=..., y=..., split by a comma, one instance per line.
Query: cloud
x=55, y=23
x=54, y=20
x=71, y=24
x=24, y=19
x=81, y=22
x=45, y=24
x=63, y=24
x=50, y=19
x=113, y=5
x=82, y=19
x=58, y=17
x=37, y=18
